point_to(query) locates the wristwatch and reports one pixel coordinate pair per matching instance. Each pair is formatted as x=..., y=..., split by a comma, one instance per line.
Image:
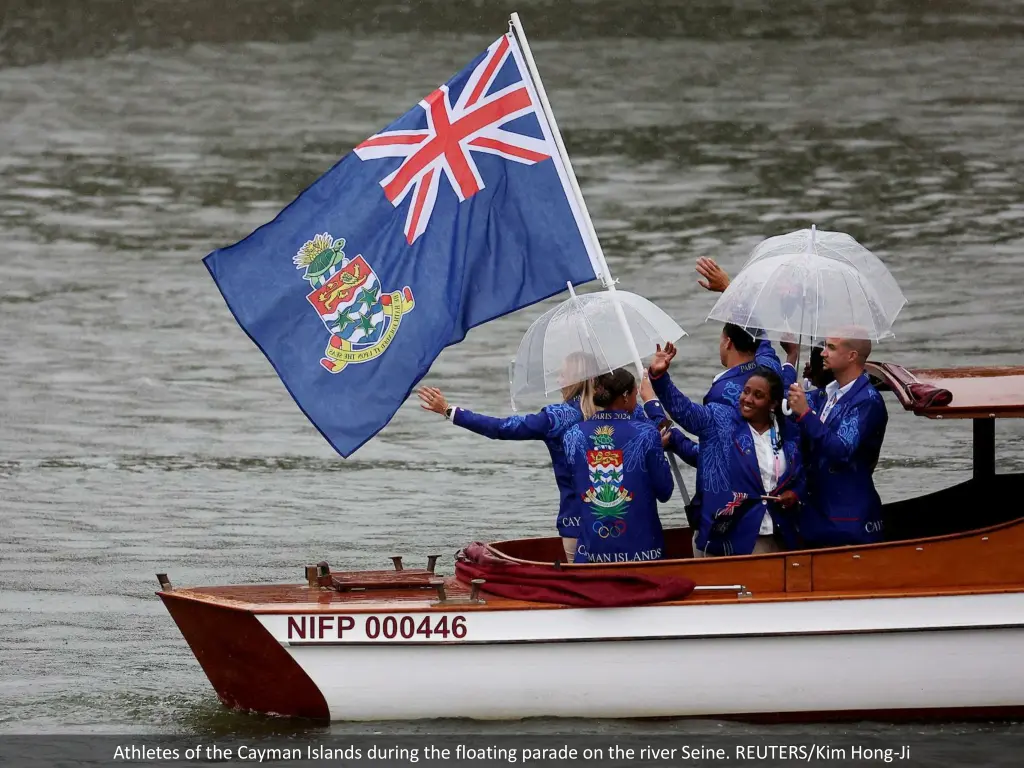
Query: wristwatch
x=449, y=411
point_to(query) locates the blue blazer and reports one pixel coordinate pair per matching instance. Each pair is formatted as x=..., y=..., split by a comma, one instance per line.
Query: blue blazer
x=843, y=506
x=619, y=474
x=548, y=425
x=729, y=386
x=726, y=390
x=730, y=479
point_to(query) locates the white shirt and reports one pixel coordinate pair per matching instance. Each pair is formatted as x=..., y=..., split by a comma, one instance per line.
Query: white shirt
x=772, y=463
x=835, y=393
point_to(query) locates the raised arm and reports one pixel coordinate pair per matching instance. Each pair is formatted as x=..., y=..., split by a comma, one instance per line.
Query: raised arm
x=789, y=372
x=694, y=418
x=788, y=377
x=688, y=414
x=548, y=423
x=651, y=410
x=765, y=355
x=534, y=426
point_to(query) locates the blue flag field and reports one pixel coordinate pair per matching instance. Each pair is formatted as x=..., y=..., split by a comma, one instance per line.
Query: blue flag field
x=457, y=213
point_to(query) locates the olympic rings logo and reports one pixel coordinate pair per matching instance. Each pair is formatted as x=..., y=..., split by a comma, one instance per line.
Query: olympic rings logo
x=616, y=529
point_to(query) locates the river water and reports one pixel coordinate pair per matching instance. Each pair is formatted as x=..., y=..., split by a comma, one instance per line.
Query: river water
x=143, y=432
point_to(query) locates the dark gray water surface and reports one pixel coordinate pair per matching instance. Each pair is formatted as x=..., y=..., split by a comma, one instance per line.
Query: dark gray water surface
x=143, y=432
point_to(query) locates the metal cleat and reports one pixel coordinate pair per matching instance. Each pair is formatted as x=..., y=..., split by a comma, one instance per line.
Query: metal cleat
x=165, y=583
x=473, y=599
x=439, y=586
x=398, y=562
x=431, y=562
x=323, y=574
x=474, y=589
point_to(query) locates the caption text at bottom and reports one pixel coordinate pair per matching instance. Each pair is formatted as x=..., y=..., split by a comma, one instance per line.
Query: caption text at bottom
x=430, y=752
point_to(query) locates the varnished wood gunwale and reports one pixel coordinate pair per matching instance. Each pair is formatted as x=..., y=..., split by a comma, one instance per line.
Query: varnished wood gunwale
x=496, y=548
x=974, y=559
x=393, y=603
x=984, y=561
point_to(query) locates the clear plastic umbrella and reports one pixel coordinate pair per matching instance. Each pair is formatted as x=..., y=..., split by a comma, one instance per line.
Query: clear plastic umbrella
x=812, y=284
x=583, y=337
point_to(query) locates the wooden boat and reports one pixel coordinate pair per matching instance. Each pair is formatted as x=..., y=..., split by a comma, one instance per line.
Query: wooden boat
x=929, y=623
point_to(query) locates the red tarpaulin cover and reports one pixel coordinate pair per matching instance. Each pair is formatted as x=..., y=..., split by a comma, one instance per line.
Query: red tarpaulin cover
x=547, y=584
x=927, y=396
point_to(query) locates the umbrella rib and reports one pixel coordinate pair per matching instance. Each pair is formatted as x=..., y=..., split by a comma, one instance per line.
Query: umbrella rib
x=885, y=273
x=867, y=301
x=819, y=255
x=840, y=255
x=753, y=304
x=597, y=339
x=581, y=325
x=849, y=298
x=592, y=334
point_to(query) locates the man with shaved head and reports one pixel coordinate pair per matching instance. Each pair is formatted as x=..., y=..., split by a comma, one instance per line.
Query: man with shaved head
x=842, y=427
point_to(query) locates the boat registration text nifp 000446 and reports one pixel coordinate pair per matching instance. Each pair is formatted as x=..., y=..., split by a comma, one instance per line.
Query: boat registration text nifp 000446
x=369, y=628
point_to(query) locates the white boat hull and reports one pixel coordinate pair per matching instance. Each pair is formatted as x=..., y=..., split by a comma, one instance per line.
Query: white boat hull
x=813, y=656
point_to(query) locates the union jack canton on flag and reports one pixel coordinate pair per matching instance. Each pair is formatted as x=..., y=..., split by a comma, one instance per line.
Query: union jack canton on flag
x=457, y=213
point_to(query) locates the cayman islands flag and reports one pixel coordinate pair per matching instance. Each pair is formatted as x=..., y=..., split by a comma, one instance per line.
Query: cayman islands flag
x=458, y=212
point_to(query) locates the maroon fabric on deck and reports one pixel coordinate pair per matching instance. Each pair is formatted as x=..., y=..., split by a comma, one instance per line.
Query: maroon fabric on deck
x=547, y=584
x=927, y=396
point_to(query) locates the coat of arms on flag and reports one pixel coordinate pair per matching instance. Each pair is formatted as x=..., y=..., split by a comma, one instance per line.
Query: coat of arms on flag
x=347, y=295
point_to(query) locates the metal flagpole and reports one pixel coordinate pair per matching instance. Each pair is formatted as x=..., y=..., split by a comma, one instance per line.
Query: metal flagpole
x=516, y=26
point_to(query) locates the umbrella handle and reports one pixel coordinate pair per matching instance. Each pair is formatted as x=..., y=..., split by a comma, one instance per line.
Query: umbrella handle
x=679, y=479
x=786, y=410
